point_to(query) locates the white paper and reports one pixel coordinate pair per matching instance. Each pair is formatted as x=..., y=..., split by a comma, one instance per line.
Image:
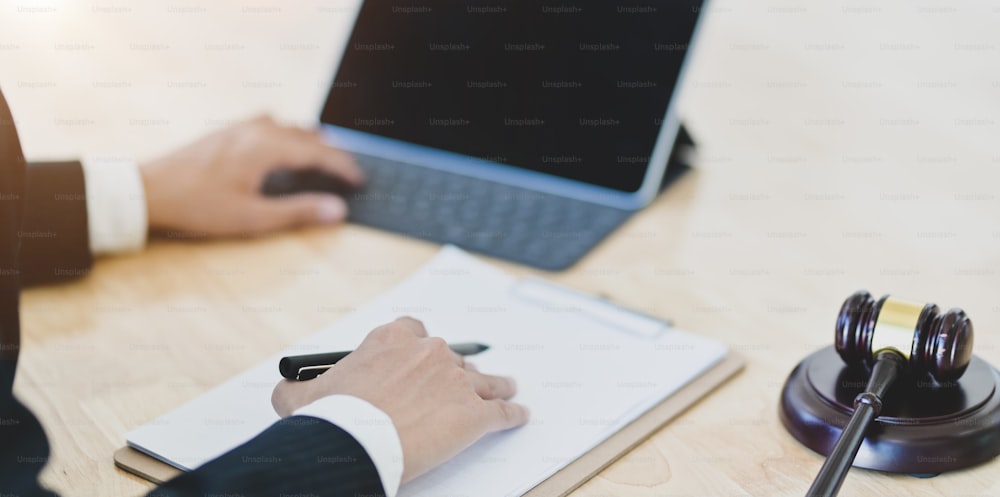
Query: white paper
x=582, y=379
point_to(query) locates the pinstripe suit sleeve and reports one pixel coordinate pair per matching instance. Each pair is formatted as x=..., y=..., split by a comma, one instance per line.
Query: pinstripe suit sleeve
x=299, y=455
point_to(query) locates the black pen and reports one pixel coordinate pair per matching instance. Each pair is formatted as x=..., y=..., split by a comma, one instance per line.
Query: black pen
x=309, y=366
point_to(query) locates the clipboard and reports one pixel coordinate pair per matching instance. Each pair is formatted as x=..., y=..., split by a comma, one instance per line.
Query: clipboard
x=529, y=315
x=564, y=481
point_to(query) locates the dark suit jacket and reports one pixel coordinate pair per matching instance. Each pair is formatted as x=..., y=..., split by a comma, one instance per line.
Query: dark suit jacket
x=55, y=243
x=47, y=226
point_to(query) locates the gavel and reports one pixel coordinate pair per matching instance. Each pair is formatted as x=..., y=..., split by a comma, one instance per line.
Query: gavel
x=890, y=337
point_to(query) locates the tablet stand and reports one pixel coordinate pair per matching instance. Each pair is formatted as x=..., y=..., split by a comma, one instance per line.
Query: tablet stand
x=680, y=158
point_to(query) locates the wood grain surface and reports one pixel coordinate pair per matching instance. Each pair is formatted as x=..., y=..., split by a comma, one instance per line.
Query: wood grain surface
x=843, y=145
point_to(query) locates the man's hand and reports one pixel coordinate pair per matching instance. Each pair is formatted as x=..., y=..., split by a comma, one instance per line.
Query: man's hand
x=438, y=403
x=212, y=187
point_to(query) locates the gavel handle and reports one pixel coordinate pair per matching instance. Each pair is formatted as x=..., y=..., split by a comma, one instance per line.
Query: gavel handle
x=867, y=406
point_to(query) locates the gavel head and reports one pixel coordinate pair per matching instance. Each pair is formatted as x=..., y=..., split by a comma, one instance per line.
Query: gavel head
x=934, y=343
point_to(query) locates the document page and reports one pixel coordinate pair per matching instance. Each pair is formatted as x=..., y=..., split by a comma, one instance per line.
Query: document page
x=582, y=375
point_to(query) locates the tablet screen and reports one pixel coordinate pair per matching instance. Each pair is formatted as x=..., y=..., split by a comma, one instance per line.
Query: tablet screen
x=577, y=90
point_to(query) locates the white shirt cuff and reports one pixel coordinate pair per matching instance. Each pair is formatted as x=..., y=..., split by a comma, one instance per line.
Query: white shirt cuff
x=116, y=205
x=371, y=427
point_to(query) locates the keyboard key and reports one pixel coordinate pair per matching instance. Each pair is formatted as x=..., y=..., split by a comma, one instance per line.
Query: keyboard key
x=518, y=224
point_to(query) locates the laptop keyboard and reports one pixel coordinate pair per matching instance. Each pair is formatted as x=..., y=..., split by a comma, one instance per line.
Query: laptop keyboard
x=526, y=226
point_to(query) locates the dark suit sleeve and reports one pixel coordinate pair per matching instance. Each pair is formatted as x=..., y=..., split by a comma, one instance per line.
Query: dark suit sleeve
x=297, y=456
x=55, y=241
x=23, y=447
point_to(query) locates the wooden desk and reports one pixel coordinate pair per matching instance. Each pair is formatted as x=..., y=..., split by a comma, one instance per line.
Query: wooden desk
x=843, y=147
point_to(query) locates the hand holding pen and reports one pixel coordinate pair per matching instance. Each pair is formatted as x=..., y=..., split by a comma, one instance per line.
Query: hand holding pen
x=418, y=382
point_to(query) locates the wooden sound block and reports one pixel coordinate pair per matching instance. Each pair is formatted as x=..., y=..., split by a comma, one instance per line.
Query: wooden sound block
x=924, y=428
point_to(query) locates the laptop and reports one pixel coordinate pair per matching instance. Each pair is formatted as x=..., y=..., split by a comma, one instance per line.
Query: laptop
x=526, y=131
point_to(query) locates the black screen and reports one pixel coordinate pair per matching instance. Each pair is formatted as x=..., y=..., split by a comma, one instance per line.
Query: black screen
x=576, y=90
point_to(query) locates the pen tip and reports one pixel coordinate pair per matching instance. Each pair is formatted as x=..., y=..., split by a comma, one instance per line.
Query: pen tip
x=482, y=347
